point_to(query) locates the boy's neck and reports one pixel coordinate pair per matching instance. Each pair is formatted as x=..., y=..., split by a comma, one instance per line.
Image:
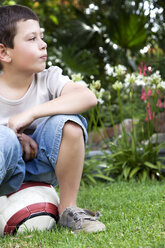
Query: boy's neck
x=16, y=80
x=13, y=86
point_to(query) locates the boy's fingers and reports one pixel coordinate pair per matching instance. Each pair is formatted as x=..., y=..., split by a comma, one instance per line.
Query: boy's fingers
x=19, y=136
x=34, y=147
x=26, y=152
x=32, y=153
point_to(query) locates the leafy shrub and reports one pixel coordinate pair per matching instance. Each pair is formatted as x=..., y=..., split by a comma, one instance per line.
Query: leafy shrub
x=133, y=155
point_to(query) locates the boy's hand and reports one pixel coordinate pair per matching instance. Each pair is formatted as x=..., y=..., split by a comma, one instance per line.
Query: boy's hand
x=18, y=123
x=29, y=147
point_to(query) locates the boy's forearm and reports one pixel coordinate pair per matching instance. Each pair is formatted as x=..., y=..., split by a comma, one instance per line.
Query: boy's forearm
x=72, y=103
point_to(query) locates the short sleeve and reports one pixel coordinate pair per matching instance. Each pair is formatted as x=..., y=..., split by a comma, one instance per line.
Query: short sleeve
x=56, y=81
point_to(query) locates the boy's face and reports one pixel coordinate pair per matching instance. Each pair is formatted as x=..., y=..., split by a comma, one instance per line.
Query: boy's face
x=29, y=52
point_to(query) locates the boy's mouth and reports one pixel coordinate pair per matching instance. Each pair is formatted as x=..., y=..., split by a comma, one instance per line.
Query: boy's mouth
x=44, y=57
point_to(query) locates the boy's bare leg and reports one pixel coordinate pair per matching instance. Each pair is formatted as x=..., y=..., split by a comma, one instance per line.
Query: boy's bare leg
x=70, y=164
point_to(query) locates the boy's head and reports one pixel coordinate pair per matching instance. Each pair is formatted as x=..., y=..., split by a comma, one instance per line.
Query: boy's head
x=9, y=16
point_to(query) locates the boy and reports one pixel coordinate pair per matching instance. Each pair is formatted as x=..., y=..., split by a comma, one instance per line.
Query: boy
x=41, y=133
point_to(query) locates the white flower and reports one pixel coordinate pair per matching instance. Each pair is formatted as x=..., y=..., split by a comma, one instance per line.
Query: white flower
x=96, y=84
x=101, y=101
x=153, y=86
x=140, y=80
x=120, y=70
x=82, y=82
x=130, y=78
x=155, y=78
x=77, y=77
x=161, y=85
x=101, y=92
x=109, y=69
x=126, y=85
x=117, y=85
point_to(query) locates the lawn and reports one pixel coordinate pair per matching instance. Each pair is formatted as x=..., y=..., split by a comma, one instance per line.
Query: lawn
x=134, y=214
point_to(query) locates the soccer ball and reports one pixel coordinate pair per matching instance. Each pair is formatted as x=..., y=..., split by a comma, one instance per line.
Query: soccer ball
x=33, y=206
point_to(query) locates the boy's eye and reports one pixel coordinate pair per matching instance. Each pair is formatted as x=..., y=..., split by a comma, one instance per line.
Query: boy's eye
x=33, y=38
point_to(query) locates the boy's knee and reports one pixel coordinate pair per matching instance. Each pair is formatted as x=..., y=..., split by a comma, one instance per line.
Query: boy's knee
x=72, y=130
x=8, y=138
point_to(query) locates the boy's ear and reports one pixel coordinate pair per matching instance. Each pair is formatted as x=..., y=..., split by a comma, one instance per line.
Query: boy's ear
x=4, y=54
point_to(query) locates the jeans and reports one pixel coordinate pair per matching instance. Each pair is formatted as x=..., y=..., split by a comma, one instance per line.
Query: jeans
x=14, y=170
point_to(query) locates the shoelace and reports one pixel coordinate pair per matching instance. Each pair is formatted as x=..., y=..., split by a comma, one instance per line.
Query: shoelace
x=85, y=214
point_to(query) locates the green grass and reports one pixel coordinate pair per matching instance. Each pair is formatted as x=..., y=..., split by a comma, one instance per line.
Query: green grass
x=134, y=215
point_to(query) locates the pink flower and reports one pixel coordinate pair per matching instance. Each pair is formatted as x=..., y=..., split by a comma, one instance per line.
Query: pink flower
x=149, y=93
x=150, y=115
x=159, y=103
x=146, y=94
x=144, y=70
x=146, y=119
x=140, y=70
x=148, y=105
x=143, y=95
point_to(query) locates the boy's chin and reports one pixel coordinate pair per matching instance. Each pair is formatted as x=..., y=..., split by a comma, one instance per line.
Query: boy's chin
x=40, y=68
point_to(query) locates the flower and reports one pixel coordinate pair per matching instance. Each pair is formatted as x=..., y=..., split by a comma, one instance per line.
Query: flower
x=95, y=87
x=119, y=70
x=142, y=69
x=155, y=78
x=77, y=77
x=96, y=84
x=130, y=78
x=109, y=69
x=140, y=80
x=116, y=71
x=150, y=115
x=161, y=85
x=159, y=103
x=82, y=82
x=143, y=95
x=117, y=85
x=149, y=93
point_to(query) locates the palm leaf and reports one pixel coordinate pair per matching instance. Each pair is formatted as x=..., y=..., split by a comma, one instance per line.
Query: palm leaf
x=79, y=61
x=128, y=31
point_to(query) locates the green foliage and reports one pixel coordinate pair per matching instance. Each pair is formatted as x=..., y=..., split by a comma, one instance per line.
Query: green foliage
x=94, y=29
x=128, y=31
x=141, y=162
x=133, y=155
x=94, y=170
x=79, y=61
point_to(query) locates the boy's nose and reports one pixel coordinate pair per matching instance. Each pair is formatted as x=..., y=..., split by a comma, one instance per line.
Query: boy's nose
x=43, y=45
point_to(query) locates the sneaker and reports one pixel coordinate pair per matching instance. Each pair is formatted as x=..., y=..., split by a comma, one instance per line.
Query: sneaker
x=78, y=219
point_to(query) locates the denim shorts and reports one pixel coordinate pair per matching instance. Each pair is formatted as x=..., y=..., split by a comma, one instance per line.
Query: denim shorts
x=14, y=170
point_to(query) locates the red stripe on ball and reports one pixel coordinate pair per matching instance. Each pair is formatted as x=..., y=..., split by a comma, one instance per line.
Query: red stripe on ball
x=24, y=213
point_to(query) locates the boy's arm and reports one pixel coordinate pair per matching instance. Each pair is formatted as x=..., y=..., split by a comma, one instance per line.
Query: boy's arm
x=74, y=99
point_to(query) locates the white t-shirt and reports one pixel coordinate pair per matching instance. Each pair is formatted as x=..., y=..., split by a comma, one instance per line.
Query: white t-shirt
x=46, y=85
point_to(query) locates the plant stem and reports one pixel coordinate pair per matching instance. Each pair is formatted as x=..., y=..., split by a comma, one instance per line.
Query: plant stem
x=133, y=136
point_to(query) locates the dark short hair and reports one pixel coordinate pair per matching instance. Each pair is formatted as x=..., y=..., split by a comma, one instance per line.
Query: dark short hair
x=9, y=16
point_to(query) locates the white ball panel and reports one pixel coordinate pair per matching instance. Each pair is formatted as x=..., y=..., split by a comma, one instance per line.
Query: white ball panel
x=37, y=223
